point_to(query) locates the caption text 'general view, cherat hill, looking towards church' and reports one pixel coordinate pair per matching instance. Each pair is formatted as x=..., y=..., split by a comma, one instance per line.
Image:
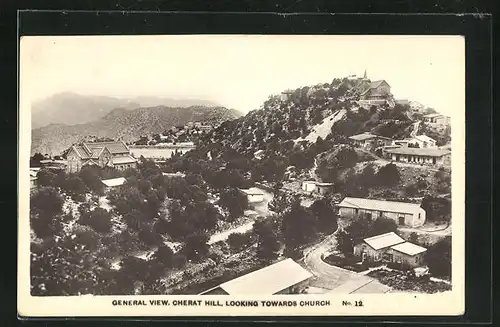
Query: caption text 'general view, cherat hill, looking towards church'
x=339, y=187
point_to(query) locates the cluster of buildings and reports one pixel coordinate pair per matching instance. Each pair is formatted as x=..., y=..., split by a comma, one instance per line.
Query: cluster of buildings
x=419, y=149
x=390, y=247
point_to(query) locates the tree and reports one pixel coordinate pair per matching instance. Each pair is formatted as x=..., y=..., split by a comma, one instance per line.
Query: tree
x=74, y=186
x=90, y=177
x=438, y=258
x=47, y=201
x=344, y=242
x=325, y=216
x=267, y=246
x=382, y=225
x=436, y=209
x=237, y=241
x=368, y=176
x=234, y=202
x=164, y=255
x=298, y=227
x=196, y=246
x=46, y=178
x=388, y=175
x=358, y=230
x=99, y=219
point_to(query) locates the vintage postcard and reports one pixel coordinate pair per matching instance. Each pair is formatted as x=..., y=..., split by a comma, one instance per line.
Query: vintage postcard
x=241, y=175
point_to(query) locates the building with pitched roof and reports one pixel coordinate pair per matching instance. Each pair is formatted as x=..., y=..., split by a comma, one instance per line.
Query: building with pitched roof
x=113, y=182
x=253, y=194
x=102, y=154
x=284, y=277
x=425, y=156
x=368, y=141
x=390, y=247
x=436, y=119
x=403, y=213
x=424, y=141
x=375, y=94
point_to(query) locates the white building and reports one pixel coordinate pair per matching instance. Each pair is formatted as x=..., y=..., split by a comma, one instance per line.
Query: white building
x=424, y=156
x=309, y=186
x=284, y=277
x=424, y=141
x=403, y=213
x=254, y=195
x=113, y=182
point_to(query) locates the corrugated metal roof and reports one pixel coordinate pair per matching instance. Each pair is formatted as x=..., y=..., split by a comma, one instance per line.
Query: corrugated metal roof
x=383, y=240
x=114, y=181
x=379, y=205
x=409, y=248
x=425, y=138
x=113, y=147
x=268, y=280
x=420, y=151
x=123, y=160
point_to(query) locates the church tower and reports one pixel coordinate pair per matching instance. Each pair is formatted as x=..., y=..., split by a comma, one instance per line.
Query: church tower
x=365, y=77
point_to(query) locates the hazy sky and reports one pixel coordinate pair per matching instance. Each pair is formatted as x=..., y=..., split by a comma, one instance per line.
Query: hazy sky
x=242, y=71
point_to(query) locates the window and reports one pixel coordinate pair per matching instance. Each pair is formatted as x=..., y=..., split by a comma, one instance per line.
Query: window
x=401, y=220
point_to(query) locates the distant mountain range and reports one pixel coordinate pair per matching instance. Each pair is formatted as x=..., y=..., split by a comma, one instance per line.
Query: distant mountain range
x=126, y=124
x=70, y=108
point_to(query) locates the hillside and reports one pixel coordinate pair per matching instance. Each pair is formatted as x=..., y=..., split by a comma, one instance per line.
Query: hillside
x=305, y=135
x=126, y=124
x=70, y=108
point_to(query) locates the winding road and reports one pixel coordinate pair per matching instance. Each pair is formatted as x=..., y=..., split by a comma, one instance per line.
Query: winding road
x=335, y=279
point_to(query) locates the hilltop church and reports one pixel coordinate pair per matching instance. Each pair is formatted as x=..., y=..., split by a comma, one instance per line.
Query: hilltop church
x=102, y=154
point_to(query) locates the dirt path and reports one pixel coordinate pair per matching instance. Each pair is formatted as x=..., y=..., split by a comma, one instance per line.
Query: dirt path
x=260, y=208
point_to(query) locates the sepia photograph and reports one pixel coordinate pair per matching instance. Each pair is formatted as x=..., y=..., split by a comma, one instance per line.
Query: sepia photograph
x=223, y=171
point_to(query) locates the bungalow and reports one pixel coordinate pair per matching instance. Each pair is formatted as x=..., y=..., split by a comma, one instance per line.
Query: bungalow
x=403, y=213
x=369, y=141
x=283, y=277
x=390, y=247
x=423, y=141
x=427, y=156
x=436, y=119
x=253, y=194
x=309, y=186
x=113, y=182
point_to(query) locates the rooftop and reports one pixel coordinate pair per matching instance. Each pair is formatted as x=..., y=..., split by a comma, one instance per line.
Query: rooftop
x=409, y=248
x=268, y=280
x=114, y=181
x=383, y=240
x=366, y=136
x=374, y=85
x=113, y=147
x=425, y=138
x=380, y=205
x=433, y=115
x=123, y=160
x=420, y=151
x=252, y=191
